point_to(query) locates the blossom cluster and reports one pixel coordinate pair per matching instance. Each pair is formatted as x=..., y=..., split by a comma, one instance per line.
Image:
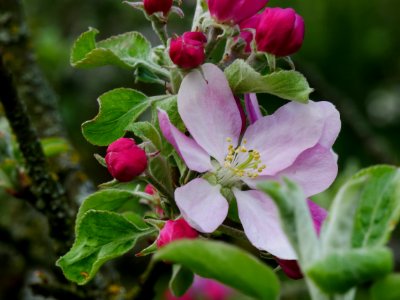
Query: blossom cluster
x=228, y=143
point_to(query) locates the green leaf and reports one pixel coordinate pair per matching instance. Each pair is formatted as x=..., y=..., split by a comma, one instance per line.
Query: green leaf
x=170, y=105
x=378, y=211
x=110, y=200
x=54, y=145
x=387, y=288
x=340, y=271
x=225, y=263
x=296, y=218
x=100, y=236
x=147, y=132
x=125, y=50
x=181, y=280
x=289, y=85
x=118, y=109
x=160, y=169
x=365, y=210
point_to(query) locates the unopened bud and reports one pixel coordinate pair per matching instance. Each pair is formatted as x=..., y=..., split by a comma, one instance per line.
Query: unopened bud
x=175, y=230
x=125, y=160
x=153, y=6
x=187, y=51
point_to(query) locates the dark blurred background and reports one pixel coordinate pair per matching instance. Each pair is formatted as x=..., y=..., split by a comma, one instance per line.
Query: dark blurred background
x=351, y=55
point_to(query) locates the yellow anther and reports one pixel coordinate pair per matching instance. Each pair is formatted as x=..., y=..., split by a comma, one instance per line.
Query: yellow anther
x=243, y=149
x=229, y=140
x=244, y=141
x=227, y=164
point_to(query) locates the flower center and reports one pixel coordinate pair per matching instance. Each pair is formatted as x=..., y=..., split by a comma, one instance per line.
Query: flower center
x=240, y=162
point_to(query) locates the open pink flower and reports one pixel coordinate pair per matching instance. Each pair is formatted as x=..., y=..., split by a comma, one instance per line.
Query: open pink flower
x=294, y=142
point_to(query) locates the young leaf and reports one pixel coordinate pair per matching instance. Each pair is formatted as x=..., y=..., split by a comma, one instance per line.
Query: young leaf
x=181, y=280
x=147, y=132
x=296, y=218
x=225, y=263
x=338, y=272
x=289, y=85
x=379, y=208
x=100, y=236
x=118, y=109
x=387, y=288
x=109, y=200
x=125, y=50
x=365, y=210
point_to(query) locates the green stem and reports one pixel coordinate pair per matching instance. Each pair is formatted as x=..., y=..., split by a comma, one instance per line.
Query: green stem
x=233, y=232
x=197, y=14
x=160, y=28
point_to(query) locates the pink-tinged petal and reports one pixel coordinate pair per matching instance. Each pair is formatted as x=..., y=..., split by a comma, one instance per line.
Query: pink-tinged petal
x=332, y=124
x=202, y=205
x=209, y=111
x=283, y=136
x=242, y=114
x=252, y=108
x=318, y=215
x=261, y=223
x=193, y=155
x=314, y=170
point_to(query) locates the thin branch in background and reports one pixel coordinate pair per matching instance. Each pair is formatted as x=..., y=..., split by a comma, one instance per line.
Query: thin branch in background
x=41, y=101
x=376, y=146
x=50, y=197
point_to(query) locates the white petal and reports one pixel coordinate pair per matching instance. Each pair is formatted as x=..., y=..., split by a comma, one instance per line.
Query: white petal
x=202, y=205
x=209, y=111
x=261, y=222
x=283, y=136
x=193, y=155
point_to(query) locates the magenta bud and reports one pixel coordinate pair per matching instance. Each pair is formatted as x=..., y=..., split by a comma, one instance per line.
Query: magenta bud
x=149, y=189
x=234, y=11
x=280, y=31
x=175, y=230
x=125, y=160
x=153, y=6
x=187, y=51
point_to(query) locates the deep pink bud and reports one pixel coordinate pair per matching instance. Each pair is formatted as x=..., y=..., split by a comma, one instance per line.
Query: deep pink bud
x=125, y=160
x=187, y=51
x=175, y=230
x=280, y=31
x=291, y=267
x=153, y=6
x=234, y=11
x=149, y=189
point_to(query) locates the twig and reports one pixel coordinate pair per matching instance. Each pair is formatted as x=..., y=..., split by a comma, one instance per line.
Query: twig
x=50, y=197
x=375, y=146
x=33, y=89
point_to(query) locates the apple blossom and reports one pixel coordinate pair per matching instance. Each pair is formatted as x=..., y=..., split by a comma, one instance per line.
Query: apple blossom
x=294, y=142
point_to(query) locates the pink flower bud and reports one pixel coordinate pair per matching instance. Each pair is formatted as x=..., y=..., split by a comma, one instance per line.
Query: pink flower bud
x=149, y=189
x=234, y=11
x=187, y=51
x=153, y=6
x=175, y=230
x=279, y=31
x=125, y=160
